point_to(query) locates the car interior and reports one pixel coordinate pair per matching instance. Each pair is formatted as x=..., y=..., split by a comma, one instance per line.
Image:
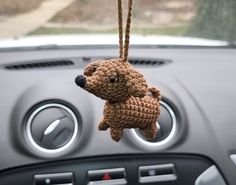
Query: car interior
x=49, y=126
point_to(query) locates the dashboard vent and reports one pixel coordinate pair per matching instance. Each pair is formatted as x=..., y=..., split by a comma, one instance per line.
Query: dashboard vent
x=44, y=64
x=80, y=63
x=148, y=62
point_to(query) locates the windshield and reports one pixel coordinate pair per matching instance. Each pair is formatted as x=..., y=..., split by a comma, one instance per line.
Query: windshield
x=204, y=19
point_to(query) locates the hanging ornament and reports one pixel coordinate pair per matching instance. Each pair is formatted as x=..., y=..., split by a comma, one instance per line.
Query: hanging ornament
x=129, y=101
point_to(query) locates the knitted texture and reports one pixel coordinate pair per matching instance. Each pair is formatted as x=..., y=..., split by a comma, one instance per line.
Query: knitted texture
x=130, y=103
x=120, y=27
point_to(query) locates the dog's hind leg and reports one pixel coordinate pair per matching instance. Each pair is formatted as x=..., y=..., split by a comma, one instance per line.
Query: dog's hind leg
x=103, y=125
x=151, y=131
x=116, y=134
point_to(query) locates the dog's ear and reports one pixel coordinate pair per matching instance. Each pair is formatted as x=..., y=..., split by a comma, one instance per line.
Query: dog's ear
x=137, y=85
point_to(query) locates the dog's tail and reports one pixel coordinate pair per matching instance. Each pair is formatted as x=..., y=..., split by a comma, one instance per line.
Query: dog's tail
x=155, y=93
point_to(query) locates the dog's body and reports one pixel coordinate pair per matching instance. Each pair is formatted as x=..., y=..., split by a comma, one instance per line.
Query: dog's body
x=130, y=104
x=139, y=113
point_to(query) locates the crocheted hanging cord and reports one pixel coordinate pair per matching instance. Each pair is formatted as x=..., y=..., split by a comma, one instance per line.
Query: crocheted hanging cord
x=129, y=101
x=124, y=50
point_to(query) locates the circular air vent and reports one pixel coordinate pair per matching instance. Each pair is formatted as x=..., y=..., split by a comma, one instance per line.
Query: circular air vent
x=167, y=128
x=52, y=128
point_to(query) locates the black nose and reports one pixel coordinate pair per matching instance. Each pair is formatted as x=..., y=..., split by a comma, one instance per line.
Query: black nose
x=80, y=80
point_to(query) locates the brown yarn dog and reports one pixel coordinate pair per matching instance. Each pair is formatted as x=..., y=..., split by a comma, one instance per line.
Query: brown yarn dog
x=129, y=105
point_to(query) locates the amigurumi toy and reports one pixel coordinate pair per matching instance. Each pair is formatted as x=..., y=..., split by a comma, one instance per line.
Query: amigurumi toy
x=129, y=101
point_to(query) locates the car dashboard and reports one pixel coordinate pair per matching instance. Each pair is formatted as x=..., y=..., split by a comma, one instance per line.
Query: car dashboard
x=48, y=125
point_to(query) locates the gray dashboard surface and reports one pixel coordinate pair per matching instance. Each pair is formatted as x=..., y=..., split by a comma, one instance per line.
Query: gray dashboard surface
x=199, y=82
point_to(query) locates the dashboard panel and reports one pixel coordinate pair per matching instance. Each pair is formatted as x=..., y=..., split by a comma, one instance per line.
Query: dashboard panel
x=198, y=93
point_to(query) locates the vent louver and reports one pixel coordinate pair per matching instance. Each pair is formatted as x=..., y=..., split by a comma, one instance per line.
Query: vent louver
x=147, y=62
x=43, y=64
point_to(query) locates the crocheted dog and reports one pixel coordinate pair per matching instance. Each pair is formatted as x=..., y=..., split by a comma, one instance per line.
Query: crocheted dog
x=129, y=102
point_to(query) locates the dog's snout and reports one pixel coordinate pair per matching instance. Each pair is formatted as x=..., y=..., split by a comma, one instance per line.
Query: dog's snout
x=80, y=80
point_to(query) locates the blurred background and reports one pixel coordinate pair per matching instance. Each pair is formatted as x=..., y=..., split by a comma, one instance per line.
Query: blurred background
x=212, y=19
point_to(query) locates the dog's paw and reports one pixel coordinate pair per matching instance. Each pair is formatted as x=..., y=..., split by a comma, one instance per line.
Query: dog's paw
x=116, y=134
x=103, y=127
x=116, y=139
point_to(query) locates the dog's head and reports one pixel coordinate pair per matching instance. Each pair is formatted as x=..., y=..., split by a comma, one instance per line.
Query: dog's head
x=112, y=80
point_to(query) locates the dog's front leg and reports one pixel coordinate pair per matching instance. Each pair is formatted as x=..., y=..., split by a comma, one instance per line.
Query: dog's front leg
x=151, y=131
x=116, y=134
x=103, y=125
